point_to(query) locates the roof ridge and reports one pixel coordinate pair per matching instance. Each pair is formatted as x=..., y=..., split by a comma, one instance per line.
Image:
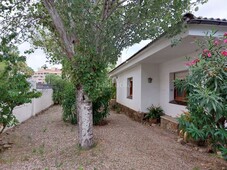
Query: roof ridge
x=192, y=19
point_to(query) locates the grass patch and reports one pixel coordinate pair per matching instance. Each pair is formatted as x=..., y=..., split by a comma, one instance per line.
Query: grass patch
x=40, y=150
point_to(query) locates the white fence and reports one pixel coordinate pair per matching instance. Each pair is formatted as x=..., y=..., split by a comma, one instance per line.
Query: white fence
x=25, y=111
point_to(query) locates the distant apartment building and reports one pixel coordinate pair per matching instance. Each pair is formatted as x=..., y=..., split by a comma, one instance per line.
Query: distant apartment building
x=40, y=75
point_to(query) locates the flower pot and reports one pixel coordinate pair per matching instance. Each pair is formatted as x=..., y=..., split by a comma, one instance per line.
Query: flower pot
x=153, y=121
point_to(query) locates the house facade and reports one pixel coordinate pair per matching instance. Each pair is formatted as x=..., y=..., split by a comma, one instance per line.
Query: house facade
x=147, y=78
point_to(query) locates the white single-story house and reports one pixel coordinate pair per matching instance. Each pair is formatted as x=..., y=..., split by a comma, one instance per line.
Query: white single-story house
x=147, y=77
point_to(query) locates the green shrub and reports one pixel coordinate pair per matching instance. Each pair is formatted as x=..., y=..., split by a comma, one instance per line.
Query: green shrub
x=116, y=107
x=68, y=103
x=15, y=90
x=58, y=85
x=155, y=112
x=184, y=121
x=207, y=93
x=101, y=105
x=224, y=153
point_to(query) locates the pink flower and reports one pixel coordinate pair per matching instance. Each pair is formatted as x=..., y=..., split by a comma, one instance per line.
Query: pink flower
x=225, y=41
x=206, y=53
x=209, y=54
x=224, y=53
x=225, y=34
x=188, y=64
x=216, y=42
x=193, y=62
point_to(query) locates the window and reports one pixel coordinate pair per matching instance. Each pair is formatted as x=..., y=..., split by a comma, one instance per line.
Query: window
x=177, y=96
x=130, y=88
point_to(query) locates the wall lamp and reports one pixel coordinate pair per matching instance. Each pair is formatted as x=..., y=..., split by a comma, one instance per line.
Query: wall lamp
x=149, y=80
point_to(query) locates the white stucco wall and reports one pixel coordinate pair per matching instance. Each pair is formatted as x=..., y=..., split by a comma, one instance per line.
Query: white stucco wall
x=150, y=91
x=165, y=69
x=158, y=92
x=44, y=101
x=135, y=102
x=25, y=111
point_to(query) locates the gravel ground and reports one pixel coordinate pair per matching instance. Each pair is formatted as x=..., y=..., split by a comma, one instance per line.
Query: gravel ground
x=46, y=142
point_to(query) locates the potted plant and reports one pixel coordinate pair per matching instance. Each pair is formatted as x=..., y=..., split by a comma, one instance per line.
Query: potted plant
x=154, y=114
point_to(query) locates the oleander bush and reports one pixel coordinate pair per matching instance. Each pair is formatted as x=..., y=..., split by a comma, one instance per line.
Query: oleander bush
x=206, y=86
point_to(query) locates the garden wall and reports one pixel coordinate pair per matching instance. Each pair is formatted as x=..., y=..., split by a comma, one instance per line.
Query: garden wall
x=25, y=111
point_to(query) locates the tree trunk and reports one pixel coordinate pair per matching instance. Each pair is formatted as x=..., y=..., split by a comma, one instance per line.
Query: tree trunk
x=85, y=119
x=83, y=104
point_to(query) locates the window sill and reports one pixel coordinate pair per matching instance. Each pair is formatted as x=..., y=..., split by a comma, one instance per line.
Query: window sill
x=129, y=97
x=178, y=102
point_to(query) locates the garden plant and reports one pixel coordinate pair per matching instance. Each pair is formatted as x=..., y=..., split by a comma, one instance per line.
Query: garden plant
x=15, y=89
x=155, y=112
x=206, y=86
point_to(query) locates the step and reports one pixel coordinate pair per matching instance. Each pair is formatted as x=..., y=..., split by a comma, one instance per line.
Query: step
x=169, y=123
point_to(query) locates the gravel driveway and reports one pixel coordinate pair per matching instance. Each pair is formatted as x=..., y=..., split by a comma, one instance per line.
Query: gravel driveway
x=45, y=142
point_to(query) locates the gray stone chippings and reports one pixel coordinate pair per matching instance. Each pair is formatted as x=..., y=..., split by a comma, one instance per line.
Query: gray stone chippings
x=46, y=142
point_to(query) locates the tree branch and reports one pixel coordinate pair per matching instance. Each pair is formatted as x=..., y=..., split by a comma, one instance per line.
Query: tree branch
x=114, y=8
x=67, y=41
x=109, y=8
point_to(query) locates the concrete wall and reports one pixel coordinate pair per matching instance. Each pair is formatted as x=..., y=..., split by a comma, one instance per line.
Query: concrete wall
x=44, y=101
x=135, y=102
x=167, y=88
x=25, y=111
x=150, y=91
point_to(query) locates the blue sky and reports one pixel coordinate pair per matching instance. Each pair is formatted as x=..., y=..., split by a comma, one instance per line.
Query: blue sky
x=213, y=8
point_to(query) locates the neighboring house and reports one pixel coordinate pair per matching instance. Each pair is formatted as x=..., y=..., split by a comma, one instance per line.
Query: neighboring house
x=40, y=75
x=147, y=77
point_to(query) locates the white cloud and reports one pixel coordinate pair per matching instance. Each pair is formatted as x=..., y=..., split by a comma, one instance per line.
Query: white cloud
x=37, y=59
x=213, y=9
x=128, y=52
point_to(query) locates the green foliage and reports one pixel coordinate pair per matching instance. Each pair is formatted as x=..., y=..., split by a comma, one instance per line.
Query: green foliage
x=58, y=85
x=14, y=87
x=116, y=107
x=224, y=153
x=184, y=120
x=101, y=104
x=155, y=112
x=207, y=94
x=68, y=103
x=64, y=94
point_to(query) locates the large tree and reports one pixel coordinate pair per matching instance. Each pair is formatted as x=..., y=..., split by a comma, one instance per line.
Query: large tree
x=88, y=35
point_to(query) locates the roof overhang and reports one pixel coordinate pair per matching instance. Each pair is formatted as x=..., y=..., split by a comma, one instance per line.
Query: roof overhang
x=161, y=49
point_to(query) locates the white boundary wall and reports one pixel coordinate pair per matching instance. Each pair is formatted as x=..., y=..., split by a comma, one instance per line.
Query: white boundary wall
x=26, y=111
